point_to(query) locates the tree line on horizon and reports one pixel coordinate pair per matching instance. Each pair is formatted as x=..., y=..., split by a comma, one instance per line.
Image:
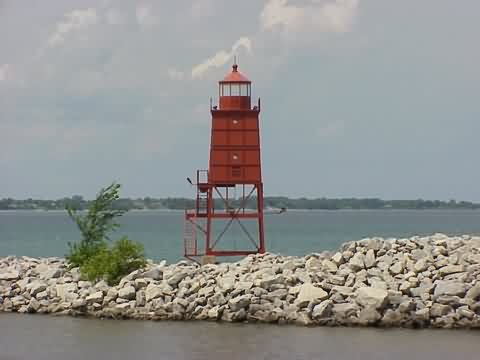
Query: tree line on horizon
x=278, y=202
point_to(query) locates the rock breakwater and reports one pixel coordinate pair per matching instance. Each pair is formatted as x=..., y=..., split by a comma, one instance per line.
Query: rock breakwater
x=429, y=281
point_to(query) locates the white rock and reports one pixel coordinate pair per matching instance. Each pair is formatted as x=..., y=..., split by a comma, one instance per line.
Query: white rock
x=96, y=297
x=372, y=297
x=127, y=292
x=309, y=293
x=450, y=269
x=9, y=275
x=153, y=291
x=449, y=288
x=370, y=259
x=397, y=268
x=357, y=262
x=36, y=287
x=239, y=302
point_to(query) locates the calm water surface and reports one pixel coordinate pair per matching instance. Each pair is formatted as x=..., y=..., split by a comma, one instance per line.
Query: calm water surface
x=296, y=233
x=38, y=337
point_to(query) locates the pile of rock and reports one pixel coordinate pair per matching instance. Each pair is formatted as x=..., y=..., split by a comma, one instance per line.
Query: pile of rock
x=429, y=281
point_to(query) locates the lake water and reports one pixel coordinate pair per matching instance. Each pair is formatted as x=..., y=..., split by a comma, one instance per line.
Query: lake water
x=35, y=233
x=41, y=337
x=46, y=337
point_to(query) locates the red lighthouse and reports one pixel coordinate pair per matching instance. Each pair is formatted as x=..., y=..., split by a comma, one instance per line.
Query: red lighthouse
x=230, y=193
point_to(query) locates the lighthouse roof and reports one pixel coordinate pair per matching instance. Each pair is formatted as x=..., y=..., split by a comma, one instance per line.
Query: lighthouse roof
x=235, y=76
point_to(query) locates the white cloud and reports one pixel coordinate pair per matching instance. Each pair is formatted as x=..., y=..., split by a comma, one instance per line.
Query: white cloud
x=202, y=9
x=317, y=15
x=145, y=16
x=221, y=57
x=114, y=17
x=175, y=74
x=5, y=71
x=75, y=20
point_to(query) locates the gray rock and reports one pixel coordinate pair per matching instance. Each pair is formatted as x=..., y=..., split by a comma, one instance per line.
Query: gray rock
x=96, y=297
x=140, y=298
x=421, y=265
x=370, y=260
x=368, y=316
x=474, y=293
x=313, y=264
x=330, y=266
x=9, y=274
x=397, y=268
x=357, y=262
x=240, y=302
x=127, y=292
x=337, y=258
x=372, y=297
x=177, y=276
x=156, y=274
x=438, y=310
x=36, y=287
x=79, y=304
x=449, y=288
x=422, y=314
x=345, y=310
x=153, y=291
x=309, y=293
x=450, y=269
x=322, y=310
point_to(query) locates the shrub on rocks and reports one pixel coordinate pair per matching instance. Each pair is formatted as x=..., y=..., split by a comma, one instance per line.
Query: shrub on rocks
x=93, y=255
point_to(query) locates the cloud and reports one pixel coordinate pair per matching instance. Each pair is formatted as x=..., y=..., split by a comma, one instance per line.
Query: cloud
x=75, y=21
x=5, y=71
x=114, y=17
x=317, y=15
x=175, y=74
x=221, y=57
x=145, y=16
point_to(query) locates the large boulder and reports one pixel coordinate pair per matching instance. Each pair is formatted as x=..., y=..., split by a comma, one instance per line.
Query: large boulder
x=96, y=297
x=153, y=291
x=155, y=273
x=357, y=262
x=36, y=287
x=9, y=274
x=309, y=293
x=372, y=297
x=450, y=269
x=322, y=310
x=239, y=302
x=176, y=277
x=451, y=288
x=370, y=260
x=127, y=292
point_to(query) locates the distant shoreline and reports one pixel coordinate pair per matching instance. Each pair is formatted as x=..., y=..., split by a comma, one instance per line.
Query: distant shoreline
x=271, y=203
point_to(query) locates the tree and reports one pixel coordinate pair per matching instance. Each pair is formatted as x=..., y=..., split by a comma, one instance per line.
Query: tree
x=93, y=254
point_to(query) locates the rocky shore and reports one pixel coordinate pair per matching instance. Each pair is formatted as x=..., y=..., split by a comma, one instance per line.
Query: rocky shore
x=429, y=281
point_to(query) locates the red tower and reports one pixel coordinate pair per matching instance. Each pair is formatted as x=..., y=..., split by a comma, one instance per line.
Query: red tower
x=230, y=192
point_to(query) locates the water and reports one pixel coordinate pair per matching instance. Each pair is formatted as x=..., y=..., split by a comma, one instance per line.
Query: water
x=35, y=233
x=42, y=337
x=46, y=337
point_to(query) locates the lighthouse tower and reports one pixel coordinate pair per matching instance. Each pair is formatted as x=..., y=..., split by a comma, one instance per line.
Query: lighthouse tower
x=230, y=193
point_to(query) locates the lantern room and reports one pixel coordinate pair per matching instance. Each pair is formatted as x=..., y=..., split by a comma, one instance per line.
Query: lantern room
x=234, y=91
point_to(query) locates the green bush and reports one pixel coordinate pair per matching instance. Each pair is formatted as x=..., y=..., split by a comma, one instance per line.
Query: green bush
x=96, y=259
x=111, y=264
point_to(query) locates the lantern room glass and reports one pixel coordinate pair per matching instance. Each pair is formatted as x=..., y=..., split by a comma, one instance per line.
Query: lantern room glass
x=235, y=89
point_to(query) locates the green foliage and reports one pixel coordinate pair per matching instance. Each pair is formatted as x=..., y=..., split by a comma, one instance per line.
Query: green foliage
x=93, y=254
x=112, y=264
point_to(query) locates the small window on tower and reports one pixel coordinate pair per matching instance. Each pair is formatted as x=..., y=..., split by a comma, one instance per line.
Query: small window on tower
x=235, y=157
x=236, y=171
x=235, y=121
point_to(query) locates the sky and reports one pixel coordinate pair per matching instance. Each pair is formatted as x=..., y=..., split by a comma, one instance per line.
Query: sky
x=360, y=98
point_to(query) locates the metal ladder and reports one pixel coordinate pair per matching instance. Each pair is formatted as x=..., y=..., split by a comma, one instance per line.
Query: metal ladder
x=190, y=237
